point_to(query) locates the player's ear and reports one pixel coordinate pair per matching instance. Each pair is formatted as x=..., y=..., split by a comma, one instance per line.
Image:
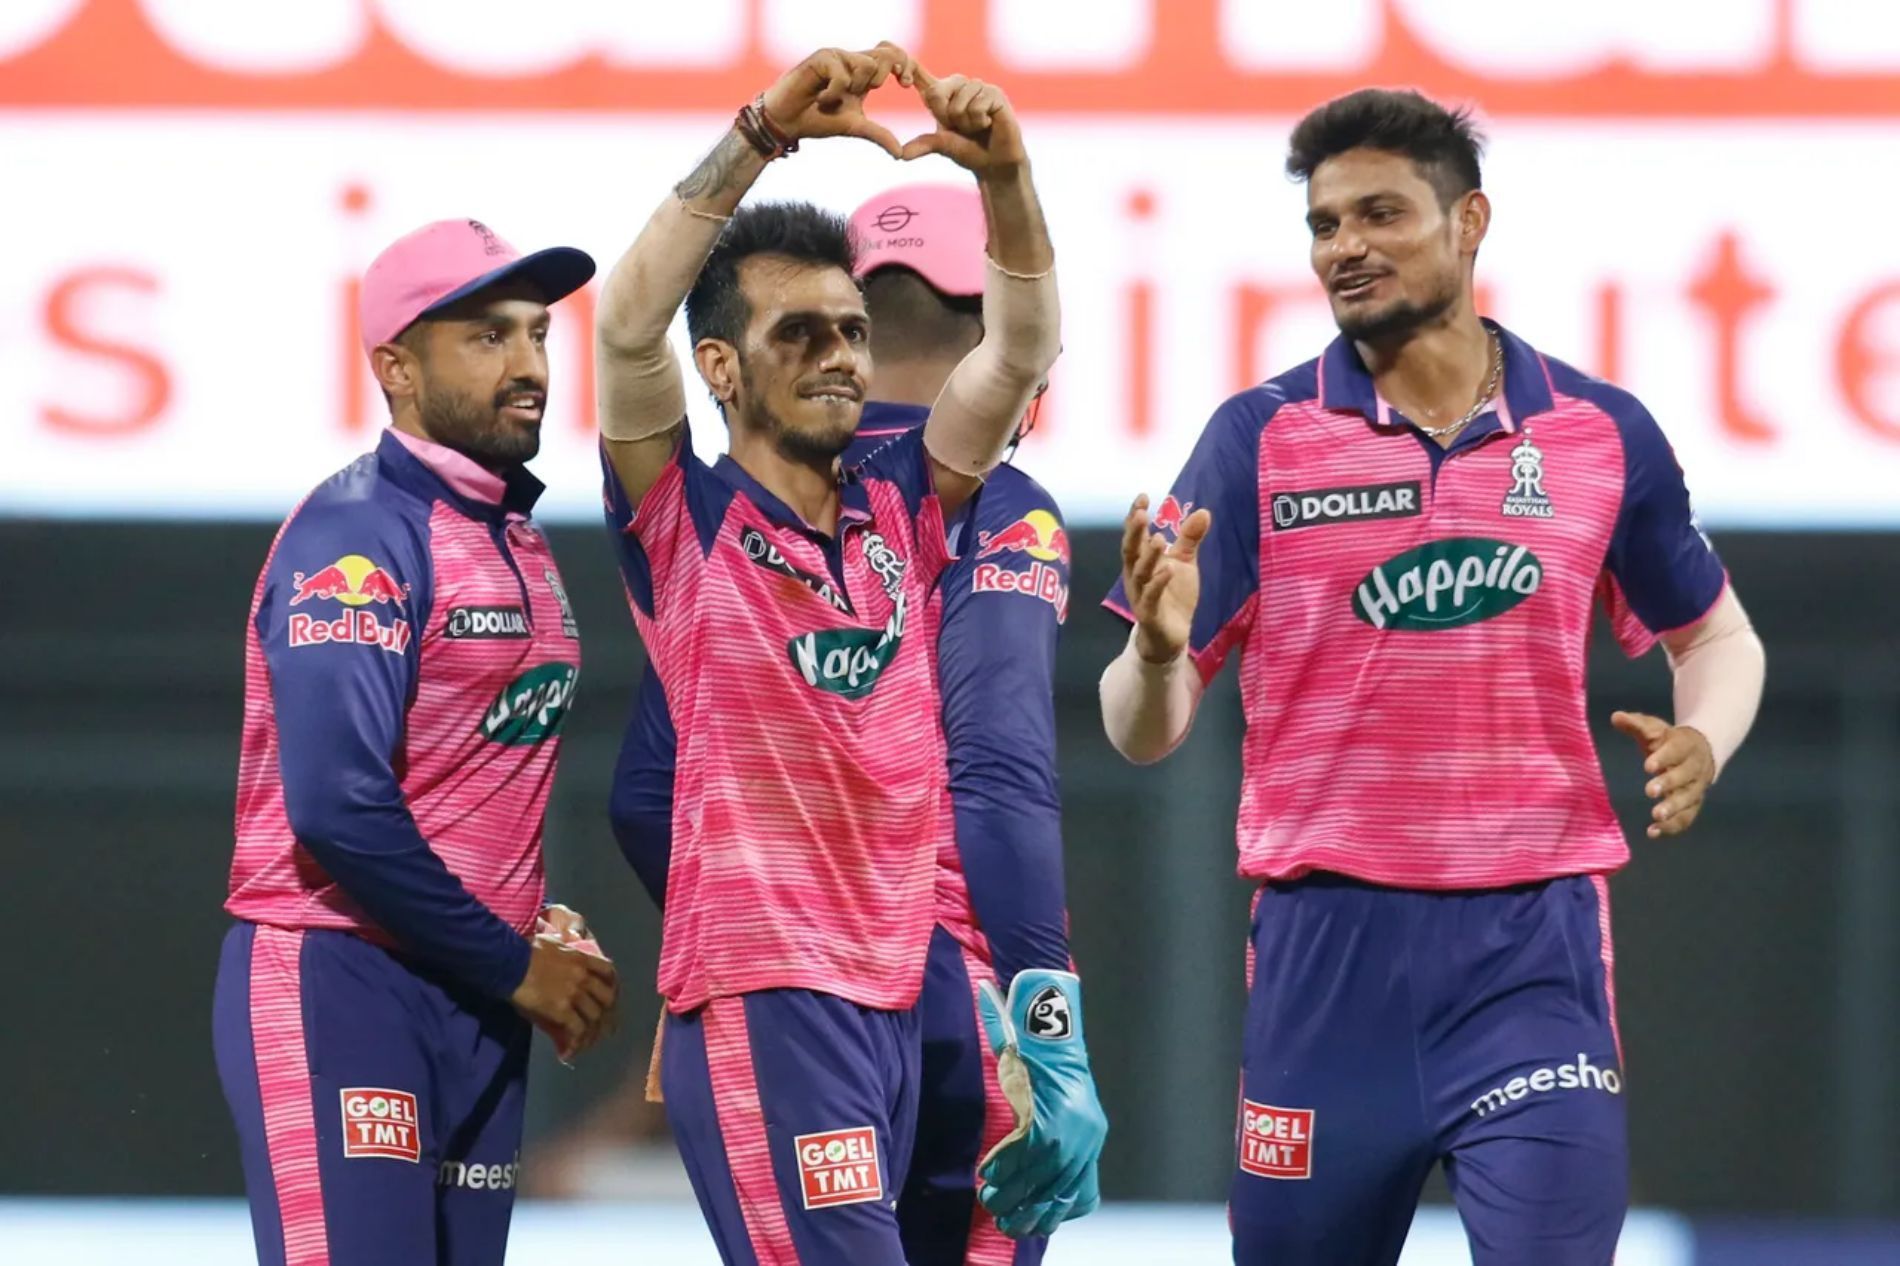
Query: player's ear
x=396, y=368
x=1473, y=213
x=718, y=363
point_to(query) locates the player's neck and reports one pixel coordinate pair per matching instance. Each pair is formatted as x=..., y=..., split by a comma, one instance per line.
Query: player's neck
x=808, y=489
x=1433, y=375
x=910, y=381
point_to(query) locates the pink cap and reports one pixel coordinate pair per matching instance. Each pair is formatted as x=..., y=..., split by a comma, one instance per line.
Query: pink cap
x=935, y=230
x=449, y=260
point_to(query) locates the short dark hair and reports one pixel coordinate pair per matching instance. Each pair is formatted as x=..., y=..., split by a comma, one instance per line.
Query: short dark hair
x=913, y=320
x=1444, y=143
x=798, y=231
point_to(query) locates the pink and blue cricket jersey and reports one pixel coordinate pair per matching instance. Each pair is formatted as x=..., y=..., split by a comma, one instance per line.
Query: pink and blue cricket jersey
x=810, y=790
x=1421, y=799
x=410, y=659
x=809, y=798
x=999, y=898
x=1411, y=620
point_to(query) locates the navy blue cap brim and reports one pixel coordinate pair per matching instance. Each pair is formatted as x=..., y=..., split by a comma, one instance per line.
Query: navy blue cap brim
x=556, y=272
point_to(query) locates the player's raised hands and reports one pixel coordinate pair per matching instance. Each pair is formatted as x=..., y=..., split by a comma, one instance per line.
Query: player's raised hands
x=976, y=125
x=1162, y=580
x=1680, y=766
x=824, y=94
x=569, y=992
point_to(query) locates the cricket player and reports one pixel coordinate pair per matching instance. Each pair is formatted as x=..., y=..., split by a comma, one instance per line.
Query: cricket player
x=1405, y=540
x=410, y=658
x=999, y=876
x=783, y=602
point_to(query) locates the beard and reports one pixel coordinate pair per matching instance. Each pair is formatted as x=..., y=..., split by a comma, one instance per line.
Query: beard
x=818, y=445
x=1401, y=317
x=812, y=446
x=475, y=428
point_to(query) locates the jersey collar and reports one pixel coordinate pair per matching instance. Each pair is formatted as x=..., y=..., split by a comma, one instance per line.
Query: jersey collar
x=854, y=503
x=1344, y=384
x=882, y=422
x=439, y=472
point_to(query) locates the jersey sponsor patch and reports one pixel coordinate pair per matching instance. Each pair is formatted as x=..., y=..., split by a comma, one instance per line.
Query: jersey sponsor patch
x=381, y=1123
x=1275, y=1142
x=1169, y=516
x=352, y=580
x=481, y=623
x=755, y=546
x=532, y=707
x=1345, y=505
x=1581, y=1075
x=848, y=662
x=1042, y=580
x=358, y=628
x=1038, y=534
x=1447, y=583
x=475, y=1176
x=839, y=1167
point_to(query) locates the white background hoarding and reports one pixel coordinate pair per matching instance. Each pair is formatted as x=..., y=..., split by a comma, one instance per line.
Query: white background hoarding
x=1700, y=215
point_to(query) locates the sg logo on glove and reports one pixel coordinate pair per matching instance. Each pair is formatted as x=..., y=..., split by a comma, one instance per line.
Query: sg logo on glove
x=1048, y=1016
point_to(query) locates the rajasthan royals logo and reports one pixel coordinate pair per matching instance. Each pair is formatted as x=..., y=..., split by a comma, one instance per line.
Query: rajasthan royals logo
x=1526, y=499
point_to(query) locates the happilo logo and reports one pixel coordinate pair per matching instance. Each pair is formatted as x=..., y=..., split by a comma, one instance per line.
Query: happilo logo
x=378, y=1122
x=848, y=662
x=1275, y=1142
x=532, y=707
x=1579, y=1075
x=839, y=1167
x=1447, y=583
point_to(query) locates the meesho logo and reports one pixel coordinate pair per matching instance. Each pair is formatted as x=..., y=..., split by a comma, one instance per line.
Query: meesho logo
x=1447, y=583
x=1581, y=1075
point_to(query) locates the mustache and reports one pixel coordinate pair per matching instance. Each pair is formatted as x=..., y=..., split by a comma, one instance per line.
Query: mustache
x=844, y=382
x=522, y=387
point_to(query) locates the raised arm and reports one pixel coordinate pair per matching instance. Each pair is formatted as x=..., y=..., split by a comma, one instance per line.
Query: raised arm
x=976, y=416
x=642, y=397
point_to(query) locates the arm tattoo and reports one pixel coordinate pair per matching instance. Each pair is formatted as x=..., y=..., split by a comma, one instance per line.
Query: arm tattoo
x=714, y=172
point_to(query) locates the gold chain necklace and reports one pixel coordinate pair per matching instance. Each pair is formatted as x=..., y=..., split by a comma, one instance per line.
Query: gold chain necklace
x=1484, y=397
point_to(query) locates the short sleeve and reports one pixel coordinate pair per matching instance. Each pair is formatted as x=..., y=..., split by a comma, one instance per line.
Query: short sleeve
x=1660, y=572
x=679, y=515
x=1222, y=475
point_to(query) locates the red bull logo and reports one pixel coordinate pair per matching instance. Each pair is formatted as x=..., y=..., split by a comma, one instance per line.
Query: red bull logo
x=1170, y=515
x=353, y=580
x=1038, y=534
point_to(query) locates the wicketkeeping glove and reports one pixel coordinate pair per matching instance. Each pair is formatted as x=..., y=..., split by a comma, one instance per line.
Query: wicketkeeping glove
x=1043, y=1172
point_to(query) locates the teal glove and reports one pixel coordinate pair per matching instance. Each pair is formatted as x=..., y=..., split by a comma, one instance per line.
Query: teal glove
x=1043, y=1172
